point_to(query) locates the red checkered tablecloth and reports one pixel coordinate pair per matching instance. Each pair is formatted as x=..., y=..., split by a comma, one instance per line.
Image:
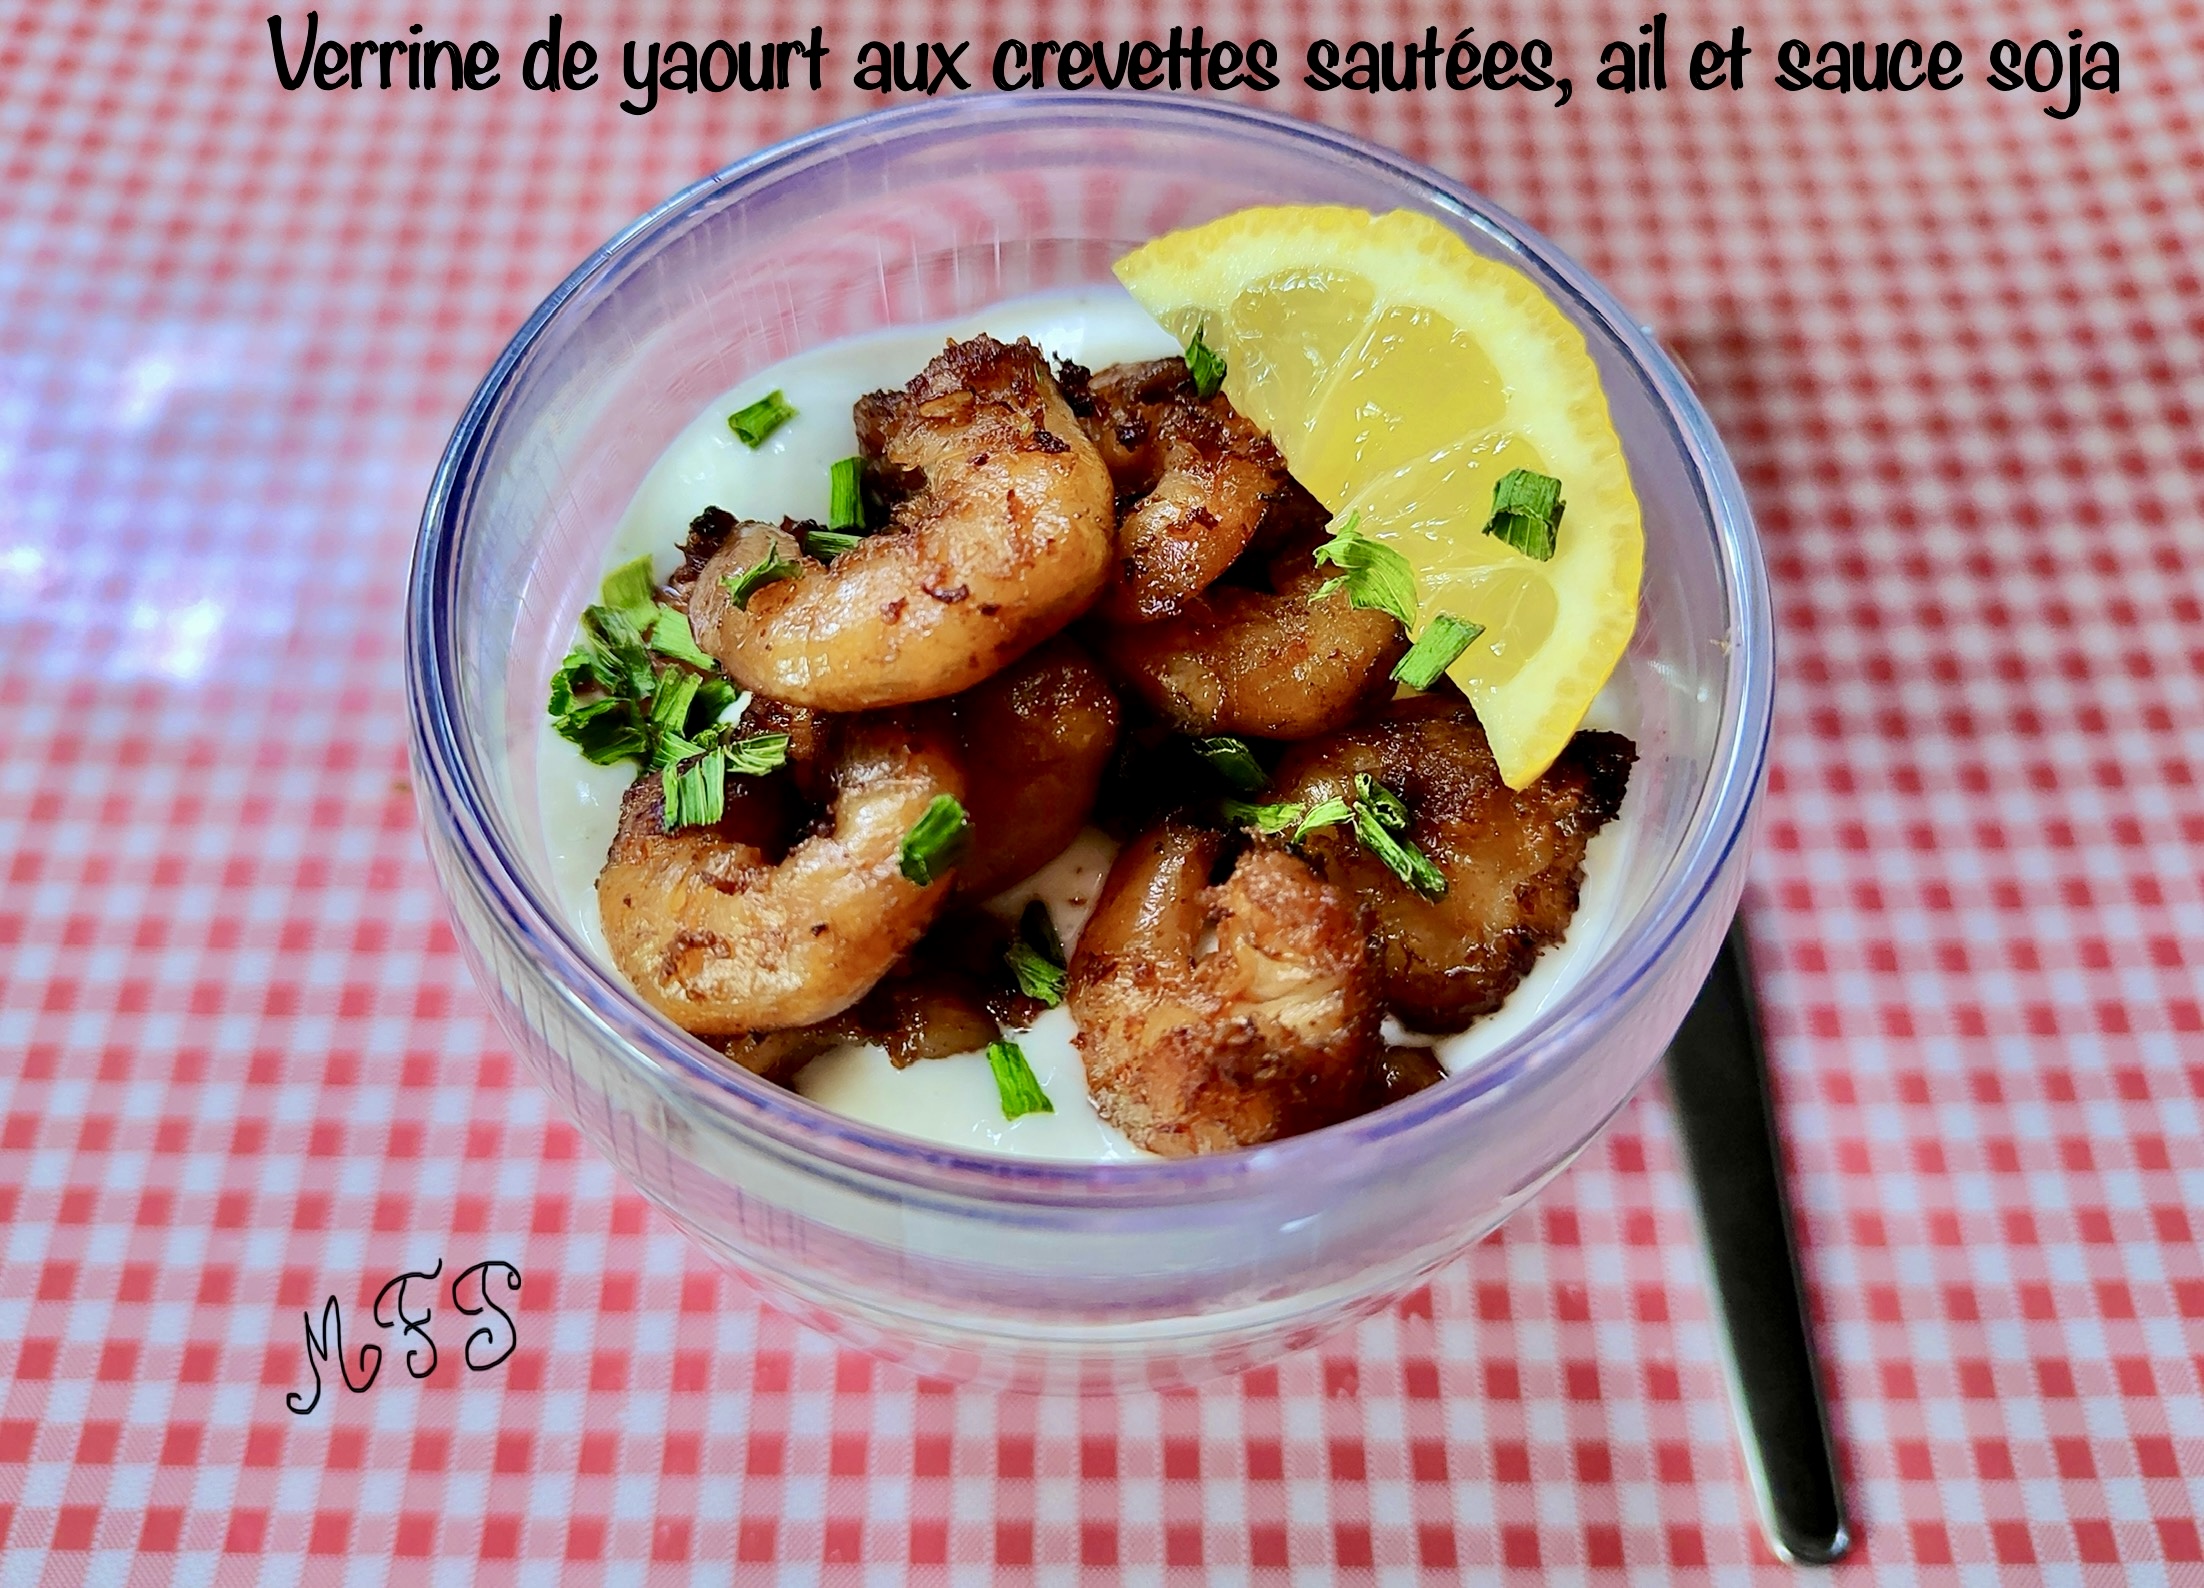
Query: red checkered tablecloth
x=1957, y=347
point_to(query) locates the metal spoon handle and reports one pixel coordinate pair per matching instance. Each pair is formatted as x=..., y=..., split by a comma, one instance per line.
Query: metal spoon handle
x=1718, y=1079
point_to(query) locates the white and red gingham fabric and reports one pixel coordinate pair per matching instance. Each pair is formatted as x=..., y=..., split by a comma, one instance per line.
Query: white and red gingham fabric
x=1958, y=350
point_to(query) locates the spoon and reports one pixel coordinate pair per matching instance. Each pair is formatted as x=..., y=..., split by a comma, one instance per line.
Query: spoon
x=1718, y=1081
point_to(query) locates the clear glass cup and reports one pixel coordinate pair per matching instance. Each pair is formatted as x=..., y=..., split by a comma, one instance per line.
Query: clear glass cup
x=975, y=1266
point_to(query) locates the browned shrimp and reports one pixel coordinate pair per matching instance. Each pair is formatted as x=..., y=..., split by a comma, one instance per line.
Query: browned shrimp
x=1513, y=862
x=724, y=935
x=952, y=993
x=1004, y=537
x=810, y=733
x=1273, y=664
x=1037, y=739
x=708, y=533
x=778, y=1055
x=1194, y=480
x=1403, y=1072
x=1271, y=1032
x=926, y=1010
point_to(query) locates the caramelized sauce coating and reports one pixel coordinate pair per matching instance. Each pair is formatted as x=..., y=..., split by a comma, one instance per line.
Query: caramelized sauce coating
x=1513, y=861
x=1191, y=1047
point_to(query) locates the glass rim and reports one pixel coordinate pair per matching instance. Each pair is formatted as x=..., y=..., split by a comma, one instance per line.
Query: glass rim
x=801, y=1128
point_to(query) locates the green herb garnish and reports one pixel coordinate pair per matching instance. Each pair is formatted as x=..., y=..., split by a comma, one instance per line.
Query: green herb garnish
x=828, y=544
x=1400, y=857
x=574, y=676
x=1233, y=761
x=1036, y=956
x=760, y=419
x=1205, y=364
x=715, y=699
x=1380, y=819
x=1374, y=576
x=935, y=842
x=669, y=634
x=1526, y=512
x=600, y=695
x=1326, y=813
x=1384, y=804
x=1015, y=1082
x=1440, y=647
x=670, y=702
x=696, y=794
x=606, y=731
x=846, y=495
x=1269, y=820
x=767, y=569
x=612, y=701
x=757, y=754
x=620, y=663
x=646, y=720
x=630, y=589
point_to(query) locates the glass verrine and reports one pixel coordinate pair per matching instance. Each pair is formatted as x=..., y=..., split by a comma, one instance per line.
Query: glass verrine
x=975, y=1265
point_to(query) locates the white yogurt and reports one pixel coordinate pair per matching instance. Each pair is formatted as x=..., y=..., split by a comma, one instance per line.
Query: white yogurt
x=952, y=1100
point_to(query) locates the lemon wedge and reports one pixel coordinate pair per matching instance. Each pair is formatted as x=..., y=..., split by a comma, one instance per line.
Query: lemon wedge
x=1403, y=374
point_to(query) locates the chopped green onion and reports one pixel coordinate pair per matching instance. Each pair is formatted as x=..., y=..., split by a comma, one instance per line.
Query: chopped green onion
x=828, y=544
x=846, y=496
x=1269, y=820
x=669, y=707
x=935, y=842
x=757, y=754
x=622, y=665
x=1383, y=802
x=1205, y=364
x=605, y=731
x=1015, y=1082
x=669, y=718
x=1036, y=956
x=685, y=698
x=1375, y=576
x=1379, y=819
x=696, y=795
x=671, y=749
x=715, y=697
x=1400, y=857
x=1526, y=512
x=1233, y=761
x=1440, y=647
x=614, y=702
x=768, y=568
x=760, y=419
x=574, y=674
x=1329, y=813
x=710, y=775
x=669, y=634
x=630, y=589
